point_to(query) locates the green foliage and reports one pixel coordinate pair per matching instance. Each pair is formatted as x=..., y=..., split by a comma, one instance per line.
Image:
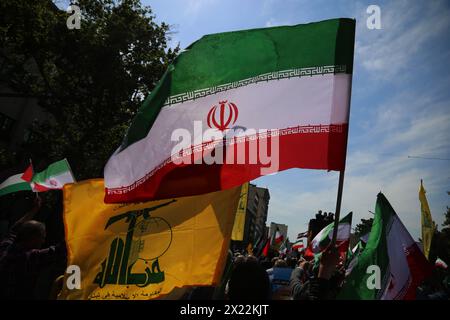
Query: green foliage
x=446, y=223
x=90, y=81
x=440, y=245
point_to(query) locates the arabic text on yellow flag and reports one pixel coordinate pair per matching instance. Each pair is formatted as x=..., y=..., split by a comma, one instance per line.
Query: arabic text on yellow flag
x=239, y=221
x=427, y=221
x=145, y=250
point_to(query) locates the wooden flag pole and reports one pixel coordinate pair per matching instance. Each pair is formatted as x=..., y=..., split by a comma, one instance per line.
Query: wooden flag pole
x=338, y=206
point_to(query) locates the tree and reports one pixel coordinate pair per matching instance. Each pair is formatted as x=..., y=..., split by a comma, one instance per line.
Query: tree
x=90, y=81
x=446, y=223
x=364, y=227
x=440, y=245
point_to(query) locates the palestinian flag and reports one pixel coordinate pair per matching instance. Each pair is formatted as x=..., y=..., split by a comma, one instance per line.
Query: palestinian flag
x=390, y=247
x=54, y=177
x=440, y=263
x=323, y=239
x=28, y=174
x=277, y=98
x=14, y=183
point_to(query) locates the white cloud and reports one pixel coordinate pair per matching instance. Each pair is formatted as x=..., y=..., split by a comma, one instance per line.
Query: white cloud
x=407, y=28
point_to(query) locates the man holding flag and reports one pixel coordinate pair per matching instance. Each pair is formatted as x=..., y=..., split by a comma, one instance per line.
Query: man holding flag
x=22, y=257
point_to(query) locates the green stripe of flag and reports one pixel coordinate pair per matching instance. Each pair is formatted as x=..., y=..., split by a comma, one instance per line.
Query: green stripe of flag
x=23, y=186
x=52, y=170
x=225, y=58
x=375, y=253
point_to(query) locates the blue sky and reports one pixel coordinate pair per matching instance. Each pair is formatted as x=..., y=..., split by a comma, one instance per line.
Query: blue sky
x=400, y=102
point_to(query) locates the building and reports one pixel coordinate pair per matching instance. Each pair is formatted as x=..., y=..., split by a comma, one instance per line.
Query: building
x=255, y=217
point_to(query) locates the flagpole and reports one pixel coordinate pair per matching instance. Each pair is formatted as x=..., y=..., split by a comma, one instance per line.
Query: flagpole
x=32, y=189
x=338, y=206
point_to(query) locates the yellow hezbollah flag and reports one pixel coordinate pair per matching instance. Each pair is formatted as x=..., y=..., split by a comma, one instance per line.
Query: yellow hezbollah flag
x=239, y=221
x=427, y=221
x=147, y=249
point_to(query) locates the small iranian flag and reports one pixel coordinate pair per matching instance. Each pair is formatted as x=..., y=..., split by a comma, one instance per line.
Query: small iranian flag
x=390, y=247
x=324, y=237
x=54, y=177
x=298, y=245
x=229, y=100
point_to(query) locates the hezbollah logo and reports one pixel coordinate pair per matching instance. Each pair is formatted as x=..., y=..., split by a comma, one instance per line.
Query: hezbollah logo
x=124, y=256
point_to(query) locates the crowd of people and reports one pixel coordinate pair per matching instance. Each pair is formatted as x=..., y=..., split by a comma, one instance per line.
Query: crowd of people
x=25, y=266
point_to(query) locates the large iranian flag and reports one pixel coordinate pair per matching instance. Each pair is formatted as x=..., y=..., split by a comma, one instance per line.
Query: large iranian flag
x=391, y=248
x=278, y=98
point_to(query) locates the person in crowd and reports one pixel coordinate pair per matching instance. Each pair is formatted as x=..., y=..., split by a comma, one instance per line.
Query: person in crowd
x=279, y=277
x=274, y=260
x=252, y=258
x=321, y=286
x=249, y=281
x=265, y=263
x=280, y=264
x=238, y=260
x=291, y=262
x=22, y=256
x=436, y=287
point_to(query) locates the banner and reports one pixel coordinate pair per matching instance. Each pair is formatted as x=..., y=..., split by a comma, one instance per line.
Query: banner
x=147, y=249
x=239, y=222
x=427, y=221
